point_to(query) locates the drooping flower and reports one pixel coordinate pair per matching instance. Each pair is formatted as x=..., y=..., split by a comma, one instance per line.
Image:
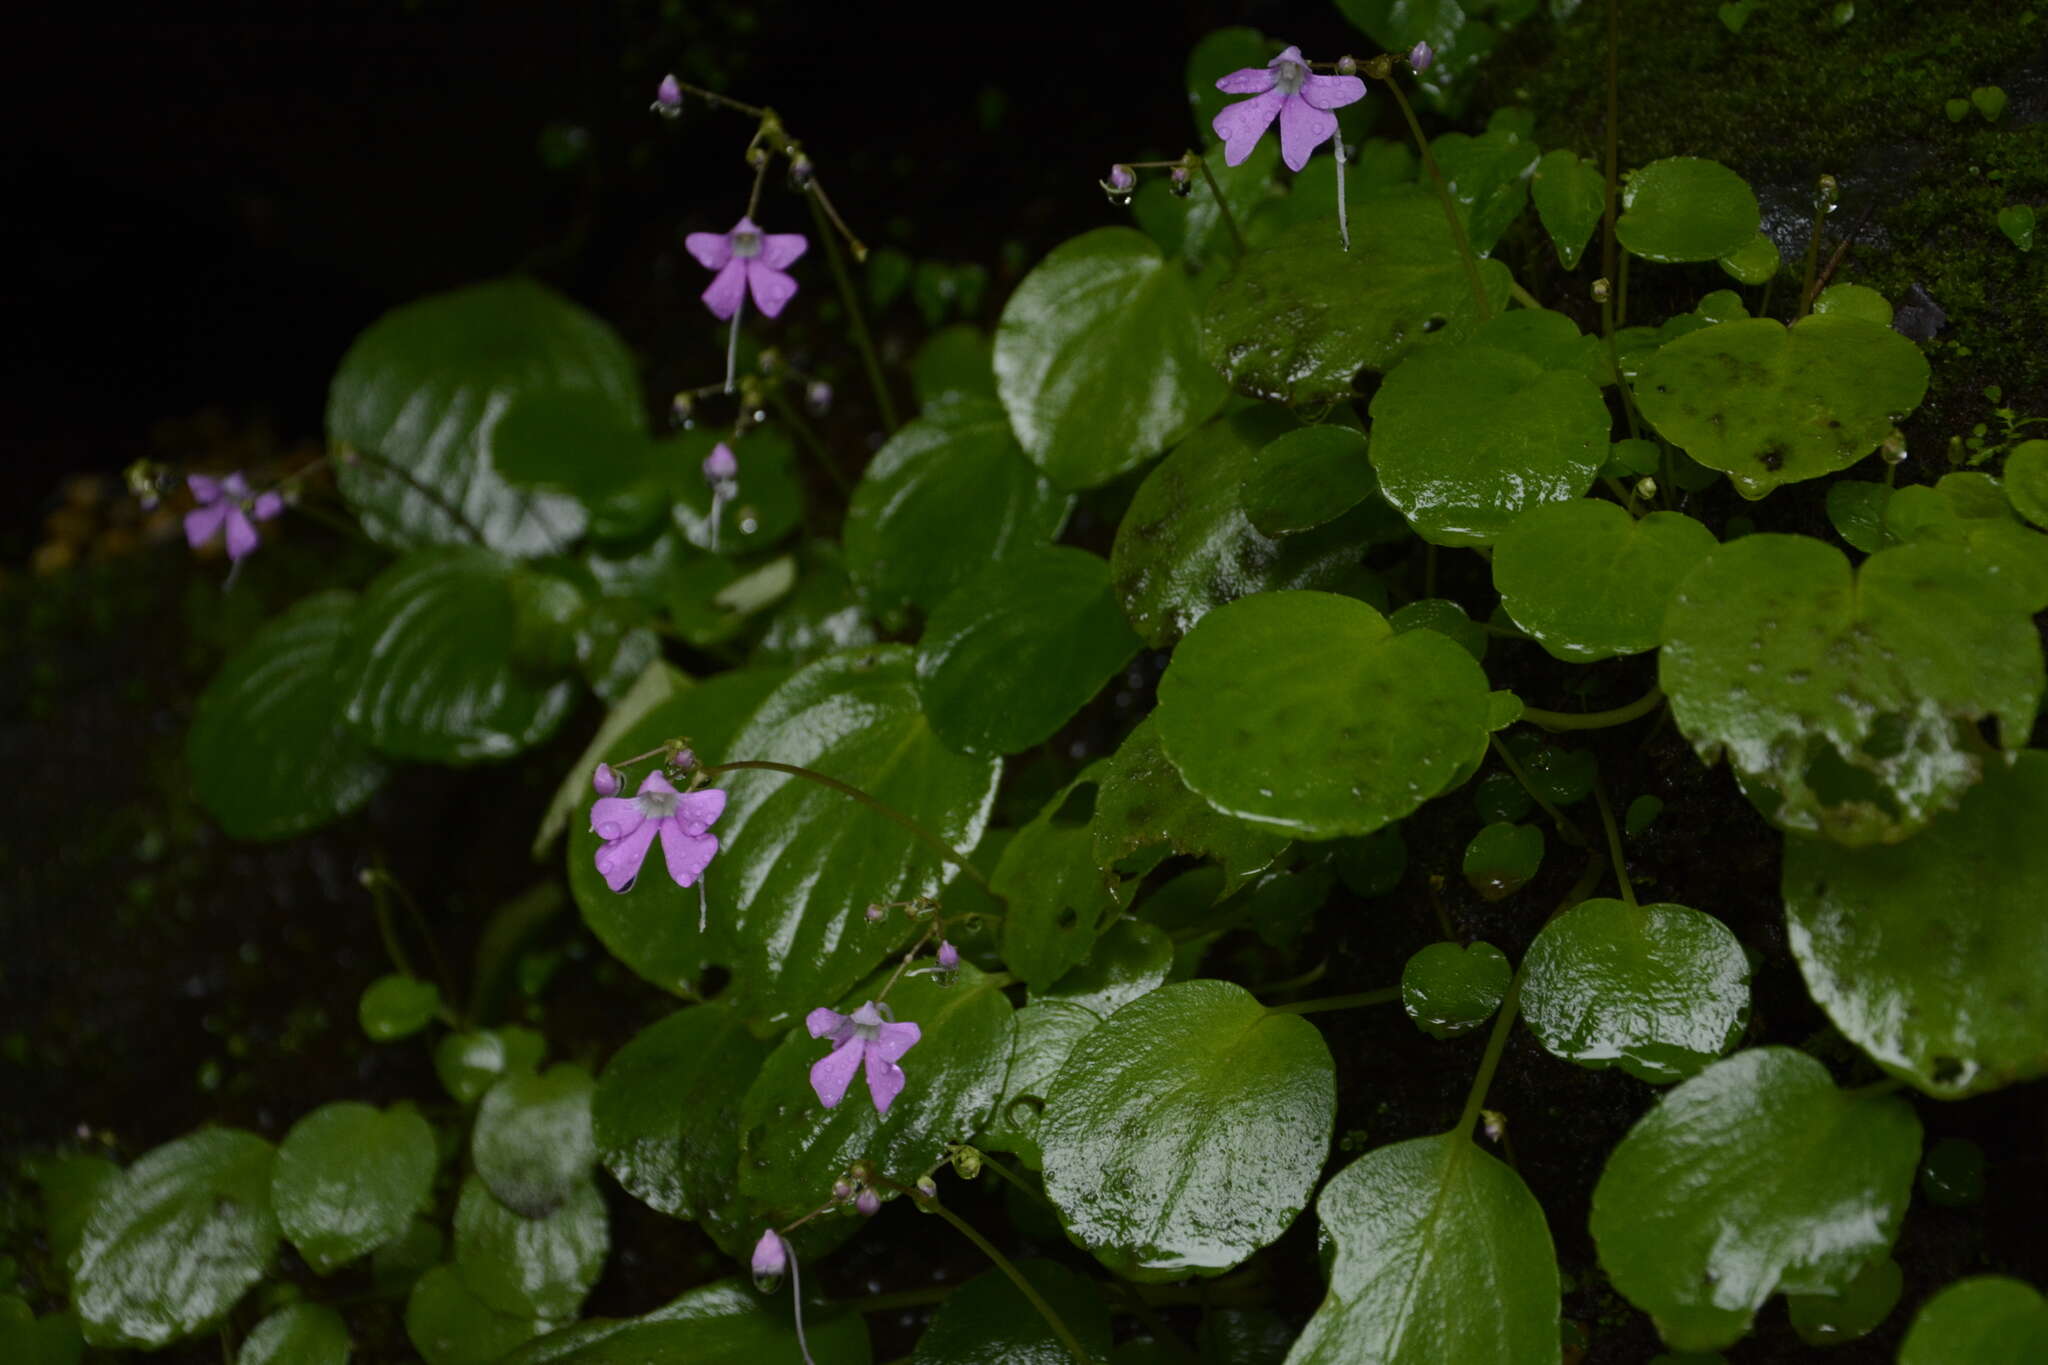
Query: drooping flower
x=862, y=1035
x=225, y=507
x=1421, y=56
x=1121, y=179
x=747, y=259
x=868, y=1202
x=604, y=781
x=771, y=1259
x=1287, y=90
x=628, y=826
x=721, y=465
x=949, y=957
x=668, y=98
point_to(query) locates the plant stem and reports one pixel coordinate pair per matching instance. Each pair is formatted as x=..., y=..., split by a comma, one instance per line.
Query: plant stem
x=1222, y=205
x=856, y=319
x=1609, y=245
x=1571, y=833
x=1443, y=193
x=1523, y=296
x=1030, y=1292
x=1628, y=893
x=1806, y=288
x=1339, y=1002
x=1595, y=720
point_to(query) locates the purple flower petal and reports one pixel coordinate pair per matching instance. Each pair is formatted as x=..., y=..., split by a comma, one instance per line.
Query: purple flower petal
x=688, y=854
x=1332, y=92
x=614, y=817
x=242, y=538
x=203, y=523
x=828, y=1023
x=1252, y=80
x=712, y=249
x=1243, y=124
x=894, y=1040
x=779, y=250
x=831, y=1074
x=772, y=289
x=1303, y=128
x=618, y=862
x=267, y=505
x=1288, y=55
x=728, y=289
x=699, y=810
x=655, y=782
x=885, y=1081
x=203, y=488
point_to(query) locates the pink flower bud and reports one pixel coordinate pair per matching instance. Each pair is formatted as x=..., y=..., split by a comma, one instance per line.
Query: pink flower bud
x=1122, y=179
x=875, y=914
x=842, y=1189
x=604, y=781
x=949, y=956
x=928, y=1187
x=1421, y=56
x=668, y=98
x=721, y=464
x=1181, y=184
x=771, y=1259
x=869, y=1203
x=818, y=397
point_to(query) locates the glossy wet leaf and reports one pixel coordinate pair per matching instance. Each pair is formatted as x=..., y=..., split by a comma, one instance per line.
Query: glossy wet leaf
x=948, y=494
x=1046, y=1033
x=530, y=1267
x=470, y=1063
x=1856, y=301
x=1660, y=989
x=1442, y=1254
x=1502, y=858
x=348, y=1178
x=792, y=1148
x=1011, y=654
x=449, y=1325
x=725, y=1322
x=581, y=442
x=423, y=386
x=396, y=1006
x=1929, y=954
x=1770, y=405
x=1450, y=990
x=1447, y=619
x=2016, y=221
x=1982, y=1320
x=1143, y=811
x=431, y=650
x=1754, y=263
x=1097, y=358
x=1187, y=1131
x=532, y=1142
x=988, y=1321
x=173, y=1243
x=1856, y=511
x=1056, y=897
x=666, y=1114
x=1130, y=959
x=1187, y=545
x=1756, y=1176
x=1844, y=695
x=1305, y=712
x=1300, y=317
x=1864, y=1304
x=1467, y=438
x=1550, y=339
x=1302, y=479
x=1569, y=191
x=1589, y=581
x=2026, y=481
x=1489, y=179
x=1970, y=511
x=298, y=1334
x=1686, y=208
x=269, y=753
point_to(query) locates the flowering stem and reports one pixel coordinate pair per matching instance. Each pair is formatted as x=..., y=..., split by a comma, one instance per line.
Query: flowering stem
x=1628, y=893
x=1565, y=827
x=1222, y=205
x=726, y=100
x=923, y=835
x=855, y=318
x=1595, y=720
x=796, y=1294
x=1338, y=1002
x=381, y=884
x=760, y=174
x=989, y=1163
x=1343, y=222
x=909, y=956
x=1443, y=194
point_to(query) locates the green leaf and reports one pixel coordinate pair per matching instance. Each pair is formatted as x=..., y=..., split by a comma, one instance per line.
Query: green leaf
x=1970, y=511
x=2026, y=481
x=1856, y=511
x=71, y=1187
x=1449, y=620
x=722, y=1323
x=532, y=1142
x=1755, y=263
x=449, y=1325
x=1012, y=653
x=1550, y=339
x=1661, y=989
x=53, y=1339
x=821, y=617
x=470, y=1063
x=1397, y=25
x=1844, y=696
x=1304, y=711
x=269, y=754
x=522, y=1267
x=1302, y=479
x=1130, y=959
x=1299, y=318
x=1570, y=193
x=419, y=391
x=1589, y=581
x=1143, y=810
x=988, y=1321
x=1982, y=1320
x=584, y=443
x=1422, y=1227
x=656, y=683
x=1045, y=1036
x=175, y=1241
x=949, y=493
x=1502, y=858
x=1772, y=405
x=1928, y=955
x=1450, y=990
x=1187, y=1131
x=1374, y=865
x=1056, y=897
x=953, y=362
x=431, y=648
x=2016, y=221
x=1189, y=227
x=298, y=1334
x=1186, y=544
x=348, y=1178
x=396, y=1006
x=1096, y=358
x=1489, y=178
x=1856, y=301
x=792, y=1148
x=1686, y=208
x=667, y=1110
x=1755, y=1176
x=1830, y=1319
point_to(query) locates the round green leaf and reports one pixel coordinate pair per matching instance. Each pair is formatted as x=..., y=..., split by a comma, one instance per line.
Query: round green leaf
x=1502, y=858
x=532, y=1142
x=1442, y=1255
x=396, y=1006
x=1299, y=318
x=1754, y=263
x=988, y=1321
x=1771, y=405
x=1468, y=438
x=1983, y=1320
x=1097, y=358
x=1186, y=544
x=1302, y=479
x=348, y=1178
x=423, y=386
x=1448, y=619
x=1929, y=955
x=175, y=1241
x=1830, y=1319
x=1846, y=696
x=1143, y=811
x=1661, y=989
x=792, y=1148
x=1187, y=1131
x=470, y=1063
x=1305, y=711
x=949, y=492
x=1450, y=990
x=1012, y=653
x=449, y=1325
x=1570, y=192
x=270, y=756
x=723, y=1323
x=1589, y=581
x=432, y=650
x=1755, y=1176
x=1686, y=208
x=1045, y=1035
x=298, y=1334
x=2026, y=481
x=530, y=1267
x=1856, y=301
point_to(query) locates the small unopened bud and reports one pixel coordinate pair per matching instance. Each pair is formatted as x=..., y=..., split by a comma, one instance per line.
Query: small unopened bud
x=1601, y=289
x=967, y=1161
x=818, y=397
x=928, y=1187
x=1422, y=56
x=668, y=98
x=1121, y=178
x=1646, y=488
x=1495, y=1123
x=869, y=1203
x=1893, y=451
x=771, y=1259
x=721, y=464
x=680, y=409
x=682, y=760
x=1347, y=65
x=949, y=956
x=842, y=1189
x=875, y=914
x=1182, y=185
x=802, y=172
x=604, y=781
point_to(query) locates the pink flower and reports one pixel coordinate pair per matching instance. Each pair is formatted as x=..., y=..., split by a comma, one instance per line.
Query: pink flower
x=1287, y=90
x=225, y=506
x=864, y=1034
x=628, y=826
x=747, y=259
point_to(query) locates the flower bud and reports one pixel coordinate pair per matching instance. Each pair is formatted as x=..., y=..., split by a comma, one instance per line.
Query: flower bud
x=967, y=1161
x=869, y=1203
x=842, y=1189
x=949, y=956
x=1421, y=56
x=668, y=98
x=875, y=914
x=1181, y=184
x=680, y=409
x=1646, y=488
x=1601, y=291
x=682, y=761
x=771, y=1259
x=604, y=781
x=1347, y=65
x=818, y=397
x=1121, y=178
x=720, y=465
x=928, y=1187
x=802, y=172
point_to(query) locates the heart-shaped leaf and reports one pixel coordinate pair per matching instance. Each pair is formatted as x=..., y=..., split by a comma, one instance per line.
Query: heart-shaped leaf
x=348, y=1178
x=1303, y=479
x=1570, y=192
x=532, y=1143
x=530, y=1267
x=1502, y=858
x=1686, y=208
x=1450, y=990
x=1589, y=581
x=1488, y=177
